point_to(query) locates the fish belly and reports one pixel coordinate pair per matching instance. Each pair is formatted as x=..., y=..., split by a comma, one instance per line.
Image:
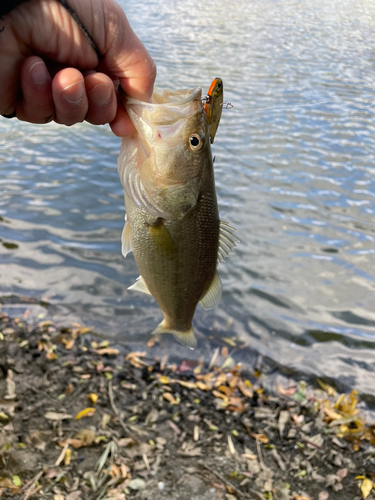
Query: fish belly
x=178, y=273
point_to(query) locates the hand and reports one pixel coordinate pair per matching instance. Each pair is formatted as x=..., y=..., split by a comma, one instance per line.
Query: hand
x=49, y=71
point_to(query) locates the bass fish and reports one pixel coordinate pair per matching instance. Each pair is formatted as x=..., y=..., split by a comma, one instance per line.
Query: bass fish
x=172, y=222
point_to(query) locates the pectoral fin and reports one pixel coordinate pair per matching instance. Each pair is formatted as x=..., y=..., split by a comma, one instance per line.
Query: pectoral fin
x=161, y=239
x=186, y=338
x=227, y=241
x=126, y=246
x=140, y=286
x=213, y=295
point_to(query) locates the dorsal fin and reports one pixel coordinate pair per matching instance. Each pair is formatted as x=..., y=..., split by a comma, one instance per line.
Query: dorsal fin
x=227, y=241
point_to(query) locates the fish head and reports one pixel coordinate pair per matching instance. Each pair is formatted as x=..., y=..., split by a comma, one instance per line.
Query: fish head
x=173, y=149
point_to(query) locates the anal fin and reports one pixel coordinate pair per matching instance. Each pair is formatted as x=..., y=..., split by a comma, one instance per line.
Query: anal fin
x=140, y=286
x=213, y=295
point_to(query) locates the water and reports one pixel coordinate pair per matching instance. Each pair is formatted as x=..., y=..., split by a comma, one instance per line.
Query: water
x=295, y=172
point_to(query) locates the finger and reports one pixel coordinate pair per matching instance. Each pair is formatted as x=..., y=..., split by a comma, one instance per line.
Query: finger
x=126, y=57
x=140, y=78
x=122, y=124
x=69, y=96
x=101, y=99
x=36, y=105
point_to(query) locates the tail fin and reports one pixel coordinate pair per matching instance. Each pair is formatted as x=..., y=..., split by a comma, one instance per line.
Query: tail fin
x=186, y=338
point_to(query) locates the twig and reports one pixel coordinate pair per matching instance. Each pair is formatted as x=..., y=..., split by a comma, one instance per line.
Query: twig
x=214, y=357
x=260, y=454
x=29, y=486
x=227, y=483
x=117, y=413
x=60, y=458
x=311, y=443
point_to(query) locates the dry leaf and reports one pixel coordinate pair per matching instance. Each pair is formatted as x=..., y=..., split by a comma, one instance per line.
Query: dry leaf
x=87, y=412
x=228, y=363
x=168, y=396
x=188, y=385
x=202, y=386
x=231, y=447
x=68, y=457
x=229, y=341
x=246, y=391
x=52, y=415
x=329, y=390
x=7, y=483
x=109, y=351
x=69, y=344
x=366, y=487
x=93, y=397
x=332, y=414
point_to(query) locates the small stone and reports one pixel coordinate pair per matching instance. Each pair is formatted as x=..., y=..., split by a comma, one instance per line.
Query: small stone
x=8, y=331
x=161, y=485
x=292, y=433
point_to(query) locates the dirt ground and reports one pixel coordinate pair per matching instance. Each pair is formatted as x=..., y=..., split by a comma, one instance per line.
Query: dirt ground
x=80, y=420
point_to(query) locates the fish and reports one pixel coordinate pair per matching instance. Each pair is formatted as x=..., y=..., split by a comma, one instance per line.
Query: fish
x=172, y=223
x=214, y=106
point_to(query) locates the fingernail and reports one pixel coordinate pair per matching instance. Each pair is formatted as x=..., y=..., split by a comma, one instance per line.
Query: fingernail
x=73, y=93
x=100, y=95
x=38, y=73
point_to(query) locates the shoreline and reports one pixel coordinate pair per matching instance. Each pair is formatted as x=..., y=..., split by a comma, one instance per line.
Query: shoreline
x=79, y=420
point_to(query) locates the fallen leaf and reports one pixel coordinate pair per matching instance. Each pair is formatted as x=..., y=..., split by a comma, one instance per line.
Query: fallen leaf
x=168, y=396
x=188, y=385
x=93, y=397
x=341, y=473
x=75, y=495
x=109, y=351
x=16, y=481
x=366, y=487
x=52, y=415
x=323, y=495
x=329, y=390
x=7, y=483
x=229, y=341
x=125, y=442
x=228, y=363
x=194, y=452
x=87, y=412
x=246, y=391
x=68, y=457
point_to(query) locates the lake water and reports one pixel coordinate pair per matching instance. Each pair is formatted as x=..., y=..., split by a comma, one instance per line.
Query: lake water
x=295, y=173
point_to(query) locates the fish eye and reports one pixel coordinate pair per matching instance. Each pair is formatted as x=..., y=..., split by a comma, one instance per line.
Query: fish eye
x=195, y=142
